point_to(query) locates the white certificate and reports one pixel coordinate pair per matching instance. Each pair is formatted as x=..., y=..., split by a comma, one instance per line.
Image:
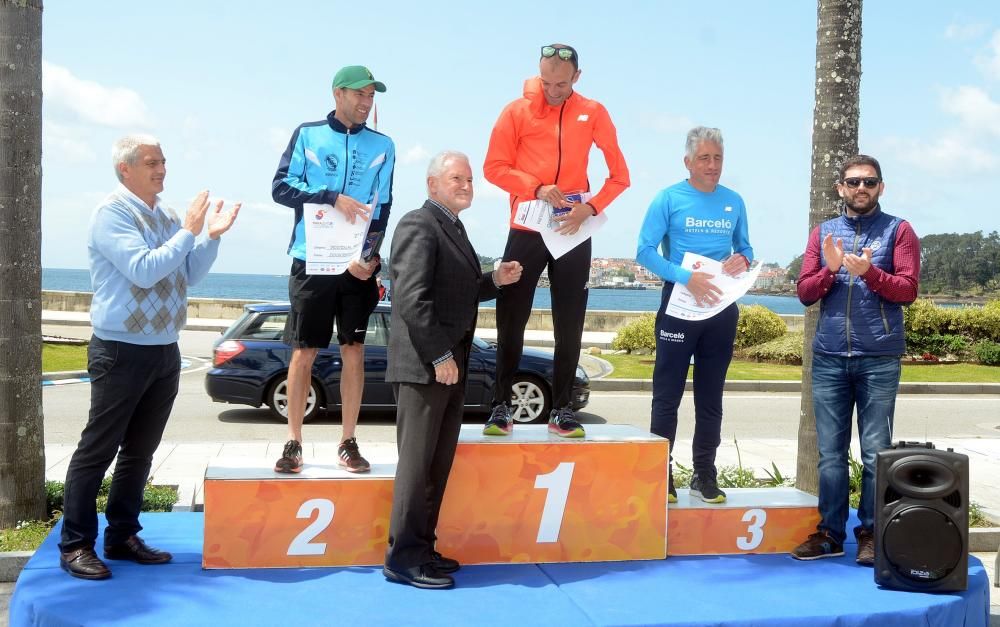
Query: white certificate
x=537, y=215
x=682, y=303
x=332, y=242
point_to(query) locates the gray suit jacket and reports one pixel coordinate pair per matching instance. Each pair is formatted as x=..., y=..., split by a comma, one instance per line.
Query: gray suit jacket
x=436, y=288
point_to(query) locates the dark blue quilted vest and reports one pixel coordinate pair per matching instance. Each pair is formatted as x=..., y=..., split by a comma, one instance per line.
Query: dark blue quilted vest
x=855, y=321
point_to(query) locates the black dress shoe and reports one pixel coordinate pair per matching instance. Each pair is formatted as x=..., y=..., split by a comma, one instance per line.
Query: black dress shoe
x=84, y=563
x=443, y=564
x=425, y=576
x=135, y=550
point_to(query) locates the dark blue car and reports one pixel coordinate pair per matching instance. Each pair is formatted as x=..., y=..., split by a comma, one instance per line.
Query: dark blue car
x=251, y=368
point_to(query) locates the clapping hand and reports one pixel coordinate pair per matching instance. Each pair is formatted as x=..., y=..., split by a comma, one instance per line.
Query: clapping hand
x=858, y=264
x=833, y=253
x=218, y=222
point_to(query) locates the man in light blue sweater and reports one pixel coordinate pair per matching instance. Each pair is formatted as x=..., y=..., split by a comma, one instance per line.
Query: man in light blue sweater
x=142, y=258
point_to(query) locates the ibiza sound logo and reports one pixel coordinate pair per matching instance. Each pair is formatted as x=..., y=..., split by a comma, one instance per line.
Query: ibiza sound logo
x=696, y=266
x=319, y=214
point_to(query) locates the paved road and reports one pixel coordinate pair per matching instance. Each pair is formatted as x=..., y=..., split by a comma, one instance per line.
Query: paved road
x=747, y=415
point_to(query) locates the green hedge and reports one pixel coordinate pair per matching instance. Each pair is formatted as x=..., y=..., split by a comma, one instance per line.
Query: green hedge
x=758, y=324
x=639, y=333
x=963, y=332
x=155, y=498
x=968, y=333
x=786, y=349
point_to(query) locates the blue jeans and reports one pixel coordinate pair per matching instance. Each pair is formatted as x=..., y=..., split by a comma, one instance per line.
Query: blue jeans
x=839, y=385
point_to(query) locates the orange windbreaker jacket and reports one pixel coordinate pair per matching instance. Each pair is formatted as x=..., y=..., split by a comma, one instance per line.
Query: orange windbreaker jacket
x=534, y=143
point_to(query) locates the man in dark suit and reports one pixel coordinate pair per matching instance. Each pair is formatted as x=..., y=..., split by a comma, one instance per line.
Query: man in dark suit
x=437, y=285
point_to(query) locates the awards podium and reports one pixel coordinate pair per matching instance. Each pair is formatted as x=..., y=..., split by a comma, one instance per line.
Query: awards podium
x=528, y=498
x=549, y=531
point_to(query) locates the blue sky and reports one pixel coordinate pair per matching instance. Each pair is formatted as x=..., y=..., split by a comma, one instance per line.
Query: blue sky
x=223, y=84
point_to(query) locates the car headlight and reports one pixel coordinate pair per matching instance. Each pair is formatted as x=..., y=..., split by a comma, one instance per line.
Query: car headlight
x=582, y=374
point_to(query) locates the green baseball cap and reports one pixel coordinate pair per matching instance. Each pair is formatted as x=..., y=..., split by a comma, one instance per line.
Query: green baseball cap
x=356, y=77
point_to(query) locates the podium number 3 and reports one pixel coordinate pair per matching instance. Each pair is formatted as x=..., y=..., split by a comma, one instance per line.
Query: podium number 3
x=756, y=518
x=557, y=483
x=303, y=543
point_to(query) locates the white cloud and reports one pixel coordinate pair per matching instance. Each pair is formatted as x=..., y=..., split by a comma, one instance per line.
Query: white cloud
x=974, y=107
x=117, y=107
x=415, y=155
x=966, y=31
x=68, y=143
x=989, y=60
x=952, y=153
x=666, y=122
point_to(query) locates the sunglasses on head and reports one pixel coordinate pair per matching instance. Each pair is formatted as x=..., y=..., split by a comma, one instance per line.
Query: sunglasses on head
x=566, y=54
x=870, y=182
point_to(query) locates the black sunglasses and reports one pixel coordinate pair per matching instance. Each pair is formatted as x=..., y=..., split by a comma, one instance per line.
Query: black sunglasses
x=870, y=182
x=566, y=54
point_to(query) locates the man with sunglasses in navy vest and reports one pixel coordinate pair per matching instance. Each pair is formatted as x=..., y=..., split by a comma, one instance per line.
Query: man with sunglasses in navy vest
x=863, y=266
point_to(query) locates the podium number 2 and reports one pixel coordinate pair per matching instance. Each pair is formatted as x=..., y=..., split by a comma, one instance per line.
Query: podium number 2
x=756, y=518
x=557, y=484
x=303, y=543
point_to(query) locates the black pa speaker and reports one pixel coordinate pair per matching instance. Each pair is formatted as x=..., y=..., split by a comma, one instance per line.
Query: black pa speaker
x=921, y=518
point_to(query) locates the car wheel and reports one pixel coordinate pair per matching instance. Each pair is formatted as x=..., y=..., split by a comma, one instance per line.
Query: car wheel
x=277, y=399
x=530, y=400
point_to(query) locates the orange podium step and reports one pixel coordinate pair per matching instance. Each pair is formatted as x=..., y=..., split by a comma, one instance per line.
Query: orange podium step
x=535, y=497
x=752, y=520
x=532, y=497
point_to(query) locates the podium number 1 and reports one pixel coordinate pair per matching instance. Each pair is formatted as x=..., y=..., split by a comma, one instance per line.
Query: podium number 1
x=756, y=518
x=303, y=543
x=557, y=483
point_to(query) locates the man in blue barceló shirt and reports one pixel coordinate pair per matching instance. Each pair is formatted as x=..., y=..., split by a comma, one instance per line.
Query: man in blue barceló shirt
x=706, y=218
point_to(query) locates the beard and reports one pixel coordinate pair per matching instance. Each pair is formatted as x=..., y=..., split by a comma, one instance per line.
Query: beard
x=864, y=206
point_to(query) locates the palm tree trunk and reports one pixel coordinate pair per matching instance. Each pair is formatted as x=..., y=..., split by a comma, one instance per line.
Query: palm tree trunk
x=835, y=138
x=22, y=446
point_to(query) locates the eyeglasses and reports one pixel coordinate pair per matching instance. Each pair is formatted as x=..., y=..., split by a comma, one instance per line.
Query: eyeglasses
x=566, y=54
x=870, y=182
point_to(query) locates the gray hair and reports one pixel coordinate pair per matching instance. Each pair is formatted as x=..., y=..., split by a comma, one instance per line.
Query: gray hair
x=701, y=134
x=436, y=166
x=126, y=150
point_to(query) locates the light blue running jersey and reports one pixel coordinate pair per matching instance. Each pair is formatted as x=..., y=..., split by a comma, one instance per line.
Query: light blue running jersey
x=682, y=219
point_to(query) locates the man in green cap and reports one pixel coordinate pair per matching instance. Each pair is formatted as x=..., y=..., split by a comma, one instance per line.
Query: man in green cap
x=341, y=162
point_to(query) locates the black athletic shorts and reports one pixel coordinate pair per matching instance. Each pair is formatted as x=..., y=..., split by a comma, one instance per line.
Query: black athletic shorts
x=319, y=300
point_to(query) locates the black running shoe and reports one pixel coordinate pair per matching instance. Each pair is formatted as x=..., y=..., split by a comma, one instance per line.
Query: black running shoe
x=291, y=458
x=707, y=489
x=350, y=457
x=500, y=422
x=563, y=423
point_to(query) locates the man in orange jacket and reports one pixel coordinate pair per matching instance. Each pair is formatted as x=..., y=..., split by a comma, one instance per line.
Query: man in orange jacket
x=539, y=149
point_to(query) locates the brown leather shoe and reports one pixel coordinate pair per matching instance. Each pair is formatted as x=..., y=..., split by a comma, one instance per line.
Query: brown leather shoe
x=866, y=547
x=135, y=550
x=84, y=563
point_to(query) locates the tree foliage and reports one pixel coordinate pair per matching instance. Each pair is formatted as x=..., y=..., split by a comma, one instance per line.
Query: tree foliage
x=960, y=262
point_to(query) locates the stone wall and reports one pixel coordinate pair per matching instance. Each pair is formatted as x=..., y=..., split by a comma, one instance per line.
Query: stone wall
x=229, y=309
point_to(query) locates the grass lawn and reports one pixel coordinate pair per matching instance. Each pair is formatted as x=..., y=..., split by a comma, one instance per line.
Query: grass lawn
x=61, y=357
x=641, y=367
